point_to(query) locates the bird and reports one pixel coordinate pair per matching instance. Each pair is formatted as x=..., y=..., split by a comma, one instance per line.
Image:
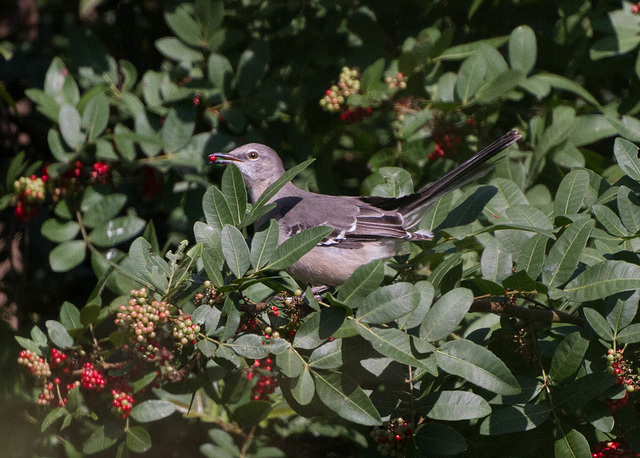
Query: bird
x=365, y=228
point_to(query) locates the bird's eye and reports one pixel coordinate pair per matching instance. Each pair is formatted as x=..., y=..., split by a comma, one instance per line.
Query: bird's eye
x=253, y=155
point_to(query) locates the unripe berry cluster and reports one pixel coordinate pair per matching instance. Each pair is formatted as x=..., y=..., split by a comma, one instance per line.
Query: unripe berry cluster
x=185, y=332
x=92, y=379
x=396, y=81
x=621, y=369
x=47, y=397
x=335, y=97
x=122, y=403
x=611, y=449
x=141, y=319
x=31, y=192
x=38, y=367
x=211, y=296
x=30, y=189
x=267, y=383
x=392, y=437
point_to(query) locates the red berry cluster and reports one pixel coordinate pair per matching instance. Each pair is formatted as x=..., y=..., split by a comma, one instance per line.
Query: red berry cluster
x=122, y=403
x=446, y=144
x=100, y=172
x=396, y=81
x=57, y=359
x=38, y=366
x=140, y=320
x=92, y=379
x=267, y=383
x=621, y=369
x=355, y=114
x=616, y=404
x=611, y=449
x=30, y=194
x=248, y=323
x=392, y=437
x=635, y=8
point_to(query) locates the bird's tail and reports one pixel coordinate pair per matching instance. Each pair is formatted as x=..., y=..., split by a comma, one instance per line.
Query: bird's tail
x=415, y=205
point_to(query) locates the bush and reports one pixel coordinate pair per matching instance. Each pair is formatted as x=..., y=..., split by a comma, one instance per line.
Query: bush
x=144, y=313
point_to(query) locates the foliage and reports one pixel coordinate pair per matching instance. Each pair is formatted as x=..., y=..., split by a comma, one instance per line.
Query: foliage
x=153, y=315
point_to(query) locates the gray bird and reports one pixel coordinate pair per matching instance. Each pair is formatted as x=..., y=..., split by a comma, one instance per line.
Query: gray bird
x=364, y=228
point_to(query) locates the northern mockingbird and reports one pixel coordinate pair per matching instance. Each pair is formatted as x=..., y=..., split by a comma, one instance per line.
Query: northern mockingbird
x=364, y=228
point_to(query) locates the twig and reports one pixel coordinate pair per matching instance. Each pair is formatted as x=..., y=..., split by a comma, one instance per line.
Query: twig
x=549, y=316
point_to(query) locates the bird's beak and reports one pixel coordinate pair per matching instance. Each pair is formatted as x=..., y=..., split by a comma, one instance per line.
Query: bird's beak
x=223, y=158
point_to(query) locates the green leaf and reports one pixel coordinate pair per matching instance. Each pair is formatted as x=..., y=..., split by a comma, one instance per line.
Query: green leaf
x=522, y=49
x=53, y=416
x=572, y=445
x=440, y=437
x=152, y=410
x=573, y=396
x=470, y=77
x=342, y=394
x=103, y=210
x=463, y=51
x=327, y=356
x=138, y=439
x=391, y=342
x=532, y=256
x=101, y=439
x=96, y=116
x=571, y=193
x=609, y=220
x=58, y=231
x=259, y=208
x=58, y=334
x=67, y=255
x=216, y=209
x=454, y=406
x=513, y=419
x=30, y=345
x=568, y=357
x=251, y=413
x=622, y=309
x=598, y=323
x=173, y=49
x=184, y=26
x=416, y=317
x=57, y=148
x=235, y=250
x=496, y=263
x=252, y=66
x=627, y=156
x=297, y=246
x=290, y=362
x=446, y=314
x=116, y=231
x=527, y=215
x=630, y=334
x=303, y=388
x=209, y=14
x=388, y=303
x=602, y=280
x=177, y=129
x=220, y=74
x=629, y=209
x=89, y=314
x=565, y=253
x=69, y=121
x=70, y=316
x=234, y=192
x=500, y=85
x=364, y=280
x=565, y=84
x=250, y=346
x=318, y=327
x=478, y=365
x=264, y=244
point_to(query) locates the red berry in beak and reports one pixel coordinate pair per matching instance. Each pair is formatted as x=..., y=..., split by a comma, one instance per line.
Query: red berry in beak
x=212, y=158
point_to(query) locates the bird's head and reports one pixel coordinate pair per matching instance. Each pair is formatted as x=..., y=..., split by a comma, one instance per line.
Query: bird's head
x=260, y=165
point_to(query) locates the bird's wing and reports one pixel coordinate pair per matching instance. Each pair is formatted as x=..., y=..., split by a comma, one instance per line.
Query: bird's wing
x=353, y=220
